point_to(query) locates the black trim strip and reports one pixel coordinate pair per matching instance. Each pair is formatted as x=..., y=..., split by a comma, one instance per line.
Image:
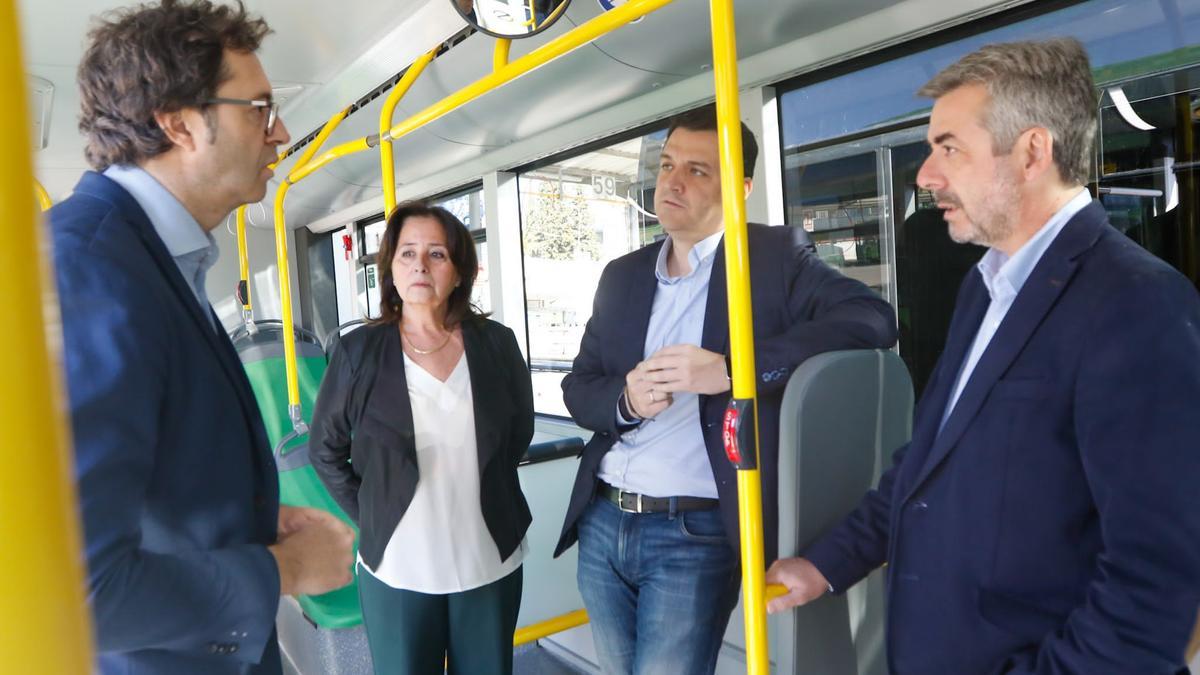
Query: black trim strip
x=552, y=450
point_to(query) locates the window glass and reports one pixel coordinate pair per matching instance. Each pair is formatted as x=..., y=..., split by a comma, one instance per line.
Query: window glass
x=1149, y=168
x=468, y=207
x=373, y=234
x=836, y=197
x=1121, y=36
x=860, y=200
x=577, y=215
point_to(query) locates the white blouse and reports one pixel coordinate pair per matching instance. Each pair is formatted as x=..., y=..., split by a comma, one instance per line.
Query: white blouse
x=442, y=544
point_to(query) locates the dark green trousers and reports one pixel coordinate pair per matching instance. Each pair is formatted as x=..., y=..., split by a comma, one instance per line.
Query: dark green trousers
x=470, y=633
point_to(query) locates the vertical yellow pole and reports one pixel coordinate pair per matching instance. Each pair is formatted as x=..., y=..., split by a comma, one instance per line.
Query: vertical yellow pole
x=285, y=301
x=42, y=587
x=386, y=160
x=244, y=268
x=741, y=333
x=285, y=275
x=500, y=54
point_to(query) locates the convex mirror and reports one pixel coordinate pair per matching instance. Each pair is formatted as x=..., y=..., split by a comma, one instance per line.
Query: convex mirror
x=511, y=18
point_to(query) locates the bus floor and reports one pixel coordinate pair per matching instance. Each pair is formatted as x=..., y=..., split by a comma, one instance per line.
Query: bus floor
x=533, y=659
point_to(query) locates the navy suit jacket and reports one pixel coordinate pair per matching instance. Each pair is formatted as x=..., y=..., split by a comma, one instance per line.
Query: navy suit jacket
x=177, y=486
x=1051, y=526
x=802, y=307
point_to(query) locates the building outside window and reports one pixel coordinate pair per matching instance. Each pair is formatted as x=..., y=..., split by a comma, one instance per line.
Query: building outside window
x=577, y=214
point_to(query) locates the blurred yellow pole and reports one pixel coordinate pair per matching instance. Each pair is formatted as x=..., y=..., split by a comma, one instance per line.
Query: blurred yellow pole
x=42, y=587
x=43, y=197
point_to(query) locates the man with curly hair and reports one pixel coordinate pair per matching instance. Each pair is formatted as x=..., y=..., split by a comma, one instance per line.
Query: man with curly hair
x=188, y=549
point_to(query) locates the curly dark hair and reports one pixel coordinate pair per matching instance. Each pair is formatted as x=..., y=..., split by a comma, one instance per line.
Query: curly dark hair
x=462, y=255
x=155, y=58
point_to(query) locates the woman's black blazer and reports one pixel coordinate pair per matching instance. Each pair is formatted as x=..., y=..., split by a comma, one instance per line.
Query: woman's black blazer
x=362, y=444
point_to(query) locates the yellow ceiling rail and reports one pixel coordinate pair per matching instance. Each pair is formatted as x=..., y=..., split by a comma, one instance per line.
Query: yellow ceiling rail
x=299, y=173
x=42, y=576
x=386, y=158
x=43, y=197
x=579, y=36
x=330, y=124
x=549, y=627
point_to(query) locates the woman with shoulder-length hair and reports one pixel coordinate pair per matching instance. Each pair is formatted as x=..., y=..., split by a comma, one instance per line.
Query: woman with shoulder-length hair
x=418, y=428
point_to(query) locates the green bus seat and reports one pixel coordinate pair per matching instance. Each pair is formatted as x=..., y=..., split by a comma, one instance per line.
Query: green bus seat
x=262, y=356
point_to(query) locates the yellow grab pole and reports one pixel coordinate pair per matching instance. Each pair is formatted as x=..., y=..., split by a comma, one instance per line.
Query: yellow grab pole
x=244, y=269
x=499, y=58
x=43, y=197
x=285, y=301
x=741, y=418
x=285, y=287
x=42, y=587
x=386, y=160
x=549, y=627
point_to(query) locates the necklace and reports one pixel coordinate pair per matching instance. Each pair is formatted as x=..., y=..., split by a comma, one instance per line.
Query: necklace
x=424, y=352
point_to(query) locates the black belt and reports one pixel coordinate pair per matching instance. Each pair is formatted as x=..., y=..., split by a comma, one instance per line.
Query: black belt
x=632, y=502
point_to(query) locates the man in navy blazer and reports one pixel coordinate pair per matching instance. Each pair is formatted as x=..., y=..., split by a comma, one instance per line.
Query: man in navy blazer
x=654, y=506
x=1043, y=517
x=187, y=547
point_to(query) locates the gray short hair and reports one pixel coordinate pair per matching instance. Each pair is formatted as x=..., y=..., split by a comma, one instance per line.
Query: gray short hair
x=1032, y=84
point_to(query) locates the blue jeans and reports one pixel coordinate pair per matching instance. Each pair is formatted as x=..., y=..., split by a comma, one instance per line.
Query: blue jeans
x=658, y=587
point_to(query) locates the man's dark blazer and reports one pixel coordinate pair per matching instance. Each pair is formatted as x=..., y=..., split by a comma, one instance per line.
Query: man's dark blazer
x=1051, y=526
x=801, y=307
x=362, y=441
x=177, y=485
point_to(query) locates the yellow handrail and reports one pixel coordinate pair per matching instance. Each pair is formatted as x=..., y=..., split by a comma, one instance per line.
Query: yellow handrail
x=579, y=36
x=244, y=259
x=43, y=197
x=499, y=59
x=741, y=331
x=549, y=627
x=299, y=428
x=244, y=268
x=42, y=587
x=386, y=160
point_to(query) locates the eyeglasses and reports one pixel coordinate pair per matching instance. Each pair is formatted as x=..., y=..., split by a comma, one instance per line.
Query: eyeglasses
x=271, y=106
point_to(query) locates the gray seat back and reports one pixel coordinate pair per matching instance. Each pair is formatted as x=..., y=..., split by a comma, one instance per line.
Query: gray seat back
x=842, y=416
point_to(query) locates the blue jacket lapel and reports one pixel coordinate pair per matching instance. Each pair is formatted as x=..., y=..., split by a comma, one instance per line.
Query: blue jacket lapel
x=1041, y=290
x=639, y=300
x=971, y=305
x=126, y=206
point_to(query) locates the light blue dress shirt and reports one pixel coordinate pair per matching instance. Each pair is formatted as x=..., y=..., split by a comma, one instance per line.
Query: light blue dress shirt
x=665, y=456
x=1004, y=277
x=194, y=250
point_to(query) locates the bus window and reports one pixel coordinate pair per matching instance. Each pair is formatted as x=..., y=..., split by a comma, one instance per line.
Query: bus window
x=468, y=207
x=577, y=214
